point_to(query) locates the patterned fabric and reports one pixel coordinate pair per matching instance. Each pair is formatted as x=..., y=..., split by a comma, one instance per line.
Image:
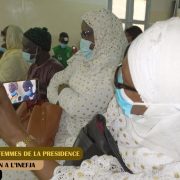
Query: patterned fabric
x=145, y=163
x=44, y=73
x=90, y=83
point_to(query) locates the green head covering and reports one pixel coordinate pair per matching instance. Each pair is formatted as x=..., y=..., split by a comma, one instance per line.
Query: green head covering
x=40, y=37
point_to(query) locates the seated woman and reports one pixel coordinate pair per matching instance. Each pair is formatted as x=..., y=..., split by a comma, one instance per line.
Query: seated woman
x=12, y=65
x=143, y=116
x=36, y=47
x=89, y=74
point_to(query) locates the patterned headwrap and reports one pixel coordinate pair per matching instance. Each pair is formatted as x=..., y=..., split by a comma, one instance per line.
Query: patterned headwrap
x=110, y=40
x=40, y=37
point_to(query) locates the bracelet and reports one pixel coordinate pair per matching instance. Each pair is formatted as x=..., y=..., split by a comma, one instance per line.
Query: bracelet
x=24, y=142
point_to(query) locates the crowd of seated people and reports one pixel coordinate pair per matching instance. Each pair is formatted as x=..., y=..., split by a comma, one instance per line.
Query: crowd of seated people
x=136, y=86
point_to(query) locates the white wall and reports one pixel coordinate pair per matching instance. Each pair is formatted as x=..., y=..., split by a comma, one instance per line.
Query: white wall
x=56, y=15
x=160, y=10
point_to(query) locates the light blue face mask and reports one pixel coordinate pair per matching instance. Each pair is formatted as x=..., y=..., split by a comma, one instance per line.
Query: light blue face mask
x=84, y=49
x=14, y=93
x=63, y=45
x=28, y=93
x=123, y=101
x=27, y=57
x=2, y=49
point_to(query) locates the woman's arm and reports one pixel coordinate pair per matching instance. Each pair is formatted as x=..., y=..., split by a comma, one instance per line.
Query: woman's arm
x=12, y=132
x=59, y=78
x=95, y=100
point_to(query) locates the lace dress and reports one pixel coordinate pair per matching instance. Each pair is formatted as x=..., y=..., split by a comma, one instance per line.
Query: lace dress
x=145, y=163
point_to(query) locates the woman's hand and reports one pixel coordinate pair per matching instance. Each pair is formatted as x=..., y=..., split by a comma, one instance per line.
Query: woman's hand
x=12, y=132
x=10, y=128
x=61, y=87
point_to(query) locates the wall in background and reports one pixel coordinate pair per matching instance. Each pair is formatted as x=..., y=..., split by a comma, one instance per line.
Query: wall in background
x=160, y=10
x=56, y=15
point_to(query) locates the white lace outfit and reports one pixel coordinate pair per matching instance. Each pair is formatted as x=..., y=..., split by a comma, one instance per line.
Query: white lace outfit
x=149, y=144
x=145, y=163
x=90, y=82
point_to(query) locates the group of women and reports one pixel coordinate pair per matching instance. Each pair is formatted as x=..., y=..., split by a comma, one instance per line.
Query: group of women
x=142, y=108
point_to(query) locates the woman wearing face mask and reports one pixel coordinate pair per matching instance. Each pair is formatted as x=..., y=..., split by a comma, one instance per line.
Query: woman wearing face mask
x=36, y=47
x=12, y=61
x=63, y=52
x=88, y=75
x=144, y=115
x=28, y=90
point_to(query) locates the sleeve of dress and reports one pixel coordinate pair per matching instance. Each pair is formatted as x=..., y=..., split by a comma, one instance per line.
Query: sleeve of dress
x=95, y=100
x=108, y=168
x=61, y=77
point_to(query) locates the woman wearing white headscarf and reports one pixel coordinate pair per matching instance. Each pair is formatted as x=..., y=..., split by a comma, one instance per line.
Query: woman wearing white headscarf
x=12, y=66
x=89, y=74
x=143, y=117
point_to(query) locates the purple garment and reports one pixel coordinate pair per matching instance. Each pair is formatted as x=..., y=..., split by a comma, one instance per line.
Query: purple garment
x=43, y=74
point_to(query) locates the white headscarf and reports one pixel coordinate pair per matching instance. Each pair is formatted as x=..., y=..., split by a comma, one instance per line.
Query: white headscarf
x=154, y=62
x=110, y=40
x=14, y=37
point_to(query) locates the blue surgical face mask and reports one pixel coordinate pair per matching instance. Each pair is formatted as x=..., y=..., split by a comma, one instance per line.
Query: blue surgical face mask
x=28, y=93
x=13, y=93
x=84, y=49
x=27, y=57
x=2, y=49
x=123, y=100
x=63, y=45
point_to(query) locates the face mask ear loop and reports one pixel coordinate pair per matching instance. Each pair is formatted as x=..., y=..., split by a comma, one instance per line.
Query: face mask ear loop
x=36, y=51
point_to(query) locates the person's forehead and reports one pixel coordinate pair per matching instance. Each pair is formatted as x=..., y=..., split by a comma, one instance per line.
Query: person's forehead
x=85, y=26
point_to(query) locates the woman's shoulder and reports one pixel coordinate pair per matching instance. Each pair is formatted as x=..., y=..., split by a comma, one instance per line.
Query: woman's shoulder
x=11, y=55
x=53, y=63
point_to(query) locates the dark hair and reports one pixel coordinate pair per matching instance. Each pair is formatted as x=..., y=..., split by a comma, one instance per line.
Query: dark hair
x=4, y=31
x=40, y=37
x=27, y=83
x=63, y=36
x=133, y=31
